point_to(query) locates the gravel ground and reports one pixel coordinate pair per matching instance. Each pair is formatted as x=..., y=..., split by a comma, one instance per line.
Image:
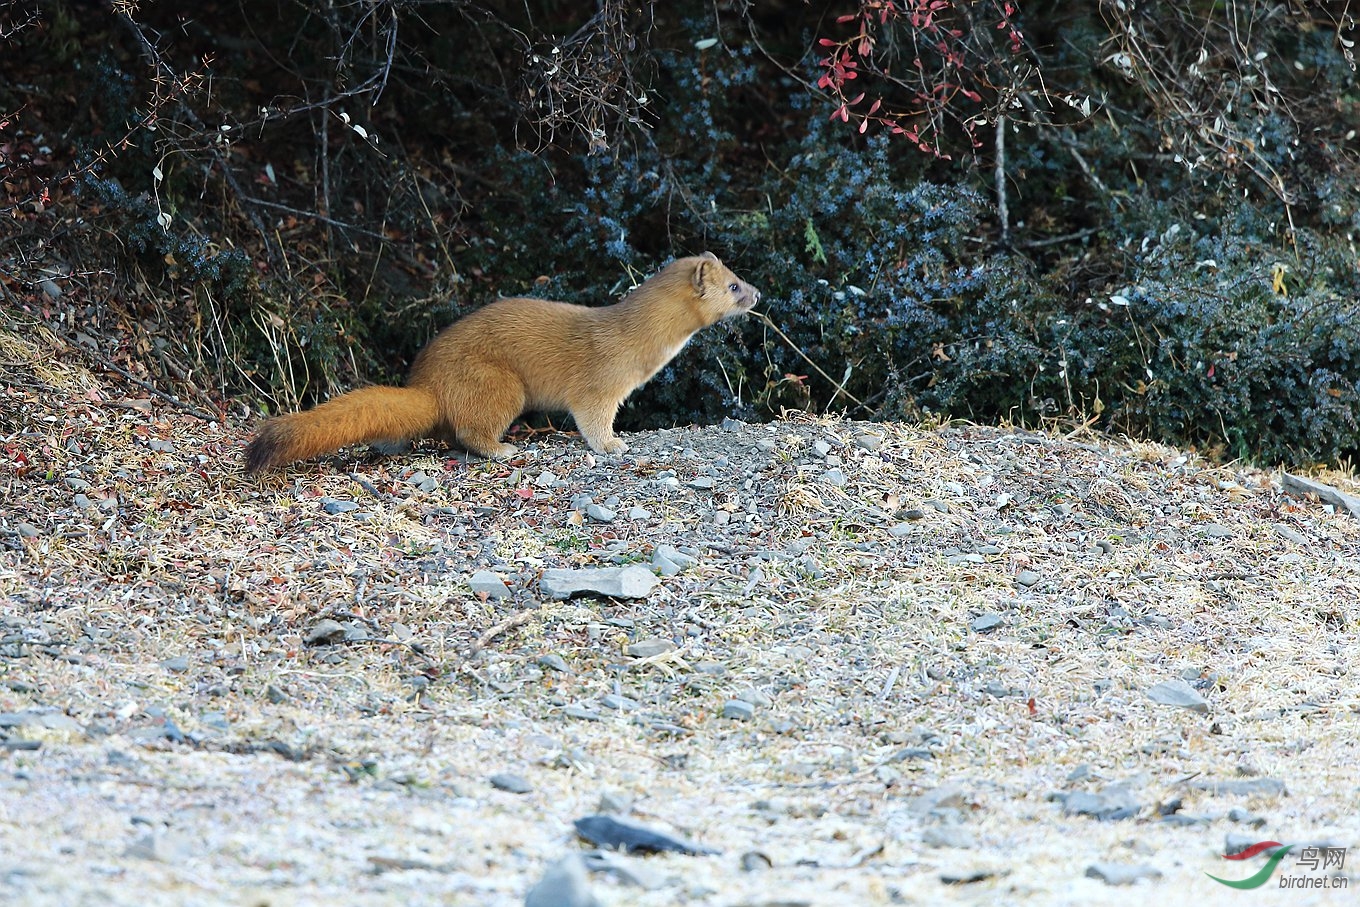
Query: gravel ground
x=876, y=664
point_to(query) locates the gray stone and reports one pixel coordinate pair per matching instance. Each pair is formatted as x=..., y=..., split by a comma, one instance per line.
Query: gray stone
x=899, y=530
x=333, y=507
x=511, y=783
x=755, y=697
x=1290, y=535
x=703, y=483
x=1121, y=873
x=738, y=710
x=163, y=846
x=948, y=836
x=612, y=582
x=1216, y=531
x=553, y=661
x=1178, y=693
x=82, y=501
x=834, y=477
x=27, y=530
x=618, y=703
x=325, y=632
x=1027, y=578
x=675, y=556
x=946, y=796
x=1114, y=802
x=565, y=884
x=755, y=861
x=648, y=648
x=668, y=561
x=176, y=665
x=600, y=514
x=639, y=513
x=986, y=623
x=821, y=448
x=422, y=481
x=1297, y=485
x=1245, y=817
x=868, y=442
x=485, y=582
x=50, y=287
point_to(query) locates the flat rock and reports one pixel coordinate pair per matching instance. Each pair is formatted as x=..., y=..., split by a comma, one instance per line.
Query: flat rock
x=1298, y=485
x=616, y=834
x=511, y=783
x=986, y=623
x=610, y=582
x=738, y=710
x=1241, y=787
x=1112, y=803
x=948, y=836
x=1178, y=693
x=649, y=648
x=1121, y=873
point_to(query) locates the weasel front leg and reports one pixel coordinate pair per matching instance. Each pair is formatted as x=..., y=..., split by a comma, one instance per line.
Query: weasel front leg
x=596, y=423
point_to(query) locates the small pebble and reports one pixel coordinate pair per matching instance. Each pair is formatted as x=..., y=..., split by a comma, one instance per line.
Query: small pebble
x=1121, y=873
x=511, y=783
x=600, y=514
x=325, y=632
x=1026, y=578
x=647, y=648
x=485, y=582
x=553, y=661
x=738, y=710
x=1178, y=693
x=565, y=884
x=986, y=623
x=834, y=477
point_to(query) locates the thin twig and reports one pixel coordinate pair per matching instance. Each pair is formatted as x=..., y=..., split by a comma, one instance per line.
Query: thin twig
x=793, y=346
x=515, y=620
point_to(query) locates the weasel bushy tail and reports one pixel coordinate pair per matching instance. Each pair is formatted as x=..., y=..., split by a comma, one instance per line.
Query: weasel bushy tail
x=366, y=414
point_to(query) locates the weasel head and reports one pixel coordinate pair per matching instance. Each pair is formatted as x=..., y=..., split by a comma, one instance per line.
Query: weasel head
x=721, y=294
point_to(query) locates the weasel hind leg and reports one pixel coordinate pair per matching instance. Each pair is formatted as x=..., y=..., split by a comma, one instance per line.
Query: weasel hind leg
x=487, y=408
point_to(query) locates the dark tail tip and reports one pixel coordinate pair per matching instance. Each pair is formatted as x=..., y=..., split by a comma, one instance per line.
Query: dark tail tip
x=262, y=452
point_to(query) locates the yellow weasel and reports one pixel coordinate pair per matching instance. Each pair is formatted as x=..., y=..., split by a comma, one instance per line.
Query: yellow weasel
x=515, y=355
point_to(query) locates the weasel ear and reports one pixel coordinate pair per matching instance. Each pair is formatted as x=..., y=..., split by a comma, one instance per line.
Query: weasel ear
x=710, y=256
x=702, y=269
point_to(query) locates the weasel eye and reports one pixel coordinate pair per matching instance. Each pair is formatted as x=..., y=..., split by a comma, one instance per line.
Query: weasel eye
x=734, y=288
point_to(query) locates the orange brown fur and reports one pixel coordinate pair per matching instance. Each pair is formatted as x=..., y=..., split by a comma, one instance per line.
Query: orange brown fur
x=515, y=355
